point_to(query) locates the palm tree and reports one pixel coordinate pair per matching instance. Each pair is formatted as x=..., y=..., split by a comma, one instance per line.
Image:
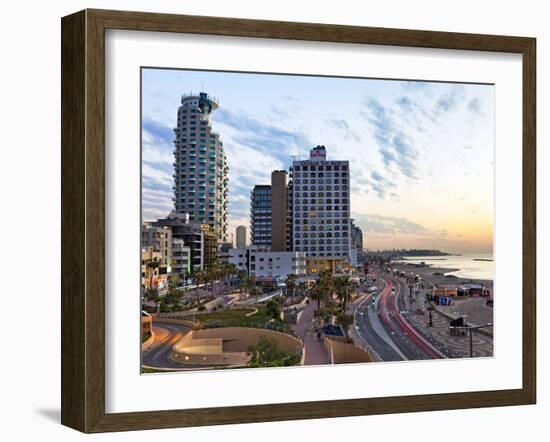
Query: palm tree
x=317, y=295
x=326, y=283
x=343, y=287
x=302, y=288
x=214, y=275
x=252, y=285
x=198, y=277
x=345, y=321
x=243, y=282
x=227, y=270
x=291, y=284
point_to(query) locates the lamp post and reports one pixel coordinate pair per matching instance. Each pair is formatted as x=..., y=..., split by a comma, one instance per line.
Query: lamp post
x=470, y=329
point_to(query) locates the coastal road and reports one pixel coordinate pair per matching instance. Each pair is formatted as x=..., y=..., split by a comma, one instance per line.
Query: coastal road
x=166, y=335
x=386, y=328
x=370, y=329
x=413, y=344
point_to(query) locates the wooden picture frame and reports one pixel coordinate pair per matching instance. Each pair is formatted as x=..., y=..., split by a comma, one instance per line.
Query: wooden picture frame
x=83, y=219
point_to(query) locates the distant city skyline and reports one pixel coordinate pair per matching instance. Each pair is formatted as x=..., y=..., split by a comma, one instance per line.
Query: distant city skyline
x=421, y=154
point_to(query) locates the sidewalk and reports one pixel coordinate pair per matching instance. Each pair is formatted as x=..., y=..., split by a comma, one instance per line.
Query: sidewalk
x=314, y=350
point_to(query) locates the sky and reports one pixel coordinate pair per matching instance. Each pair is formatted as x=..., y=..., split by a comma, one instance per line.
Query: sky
x=421, y=153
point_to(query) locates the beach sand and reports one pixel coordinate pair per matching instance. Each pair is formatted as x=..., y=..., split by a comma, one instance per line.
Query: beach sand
x=427, y=275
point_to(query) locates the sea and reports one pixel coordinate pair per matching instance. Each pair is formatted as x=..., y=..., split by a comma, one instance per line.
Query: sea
x=468, y=264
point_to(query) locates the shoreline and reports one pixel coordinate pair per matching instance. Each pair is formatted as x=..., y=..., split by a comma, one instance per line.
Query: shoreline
x=445, y=276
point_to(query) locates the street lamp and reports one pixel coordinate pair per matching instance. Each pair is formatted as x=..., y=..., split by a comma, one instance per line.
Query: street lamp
x=470, y=330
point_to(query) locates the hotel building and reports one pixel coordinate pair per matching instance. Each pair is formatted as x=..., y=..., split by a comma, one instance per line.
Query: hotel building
x=200, y=166
x=321, y=211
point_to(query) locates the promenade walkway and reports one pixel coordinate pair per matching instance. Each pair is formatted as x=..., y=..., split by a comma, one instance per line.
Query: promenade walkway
x=315, y=352
x=474, y=310
x=459, y=346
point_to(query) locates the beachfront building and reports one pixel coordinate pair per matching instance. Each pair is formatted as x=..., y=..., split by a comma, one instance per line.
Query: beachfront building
x=241, y=237
x=200, y=166
x=260, y=216
x=321, y=225
x=264, y=263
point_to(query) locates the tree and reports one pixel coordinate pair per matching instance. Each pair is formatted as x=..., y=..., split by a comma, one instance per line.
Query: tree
x=345, y=321
x=254, y=291
x=302, y=288
x=198, y=277
x=266, y=353
x=343, y=287
x=317, y=295
x=173, y=298
x=151, y=294
x=273, y=309
x=291, y=284
x=323, y=288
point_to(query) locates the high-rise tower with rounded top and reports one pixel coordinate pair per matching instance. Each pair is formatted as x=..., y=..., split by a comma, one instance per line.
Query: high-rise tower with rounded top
x=200, y=165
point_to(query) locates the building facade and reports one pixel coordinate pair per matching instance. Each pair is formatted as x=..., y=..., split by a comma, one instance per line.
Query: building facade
x=160, y=239
x=321, y=224
x=280, y=238
x=191, y=233
x=260, y=216
x=263, y=263
x=200, y=165
x=356, y=243
x=356, y=236
x=154, y=274
x=241, y=237
x=181, y=261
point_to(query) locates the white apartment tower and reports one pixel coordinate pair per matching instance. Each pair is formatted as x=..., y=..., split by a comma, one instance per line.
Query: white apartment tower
x=200, y=166
x=321, y=211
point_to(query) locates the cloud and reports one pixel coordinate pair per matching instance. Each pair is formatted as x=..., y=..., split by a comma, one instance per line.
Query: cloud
x=416, y=85
x=449, y=101
x=263, y=137
x=290, y=98
x=160, y=133
x=377, y=183
x=388, y=225
x=474, y=106
x=343, y=125
x=406, y=103
x=395, y=147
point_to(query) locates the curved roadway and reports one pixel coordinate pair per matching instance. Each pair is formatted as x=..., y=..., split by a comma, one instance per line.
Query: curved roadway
x=158, y=355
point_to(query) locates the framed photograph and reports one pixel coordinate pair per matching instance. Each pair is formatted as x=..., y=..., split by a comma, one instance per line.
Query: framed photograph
x=268, y=220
